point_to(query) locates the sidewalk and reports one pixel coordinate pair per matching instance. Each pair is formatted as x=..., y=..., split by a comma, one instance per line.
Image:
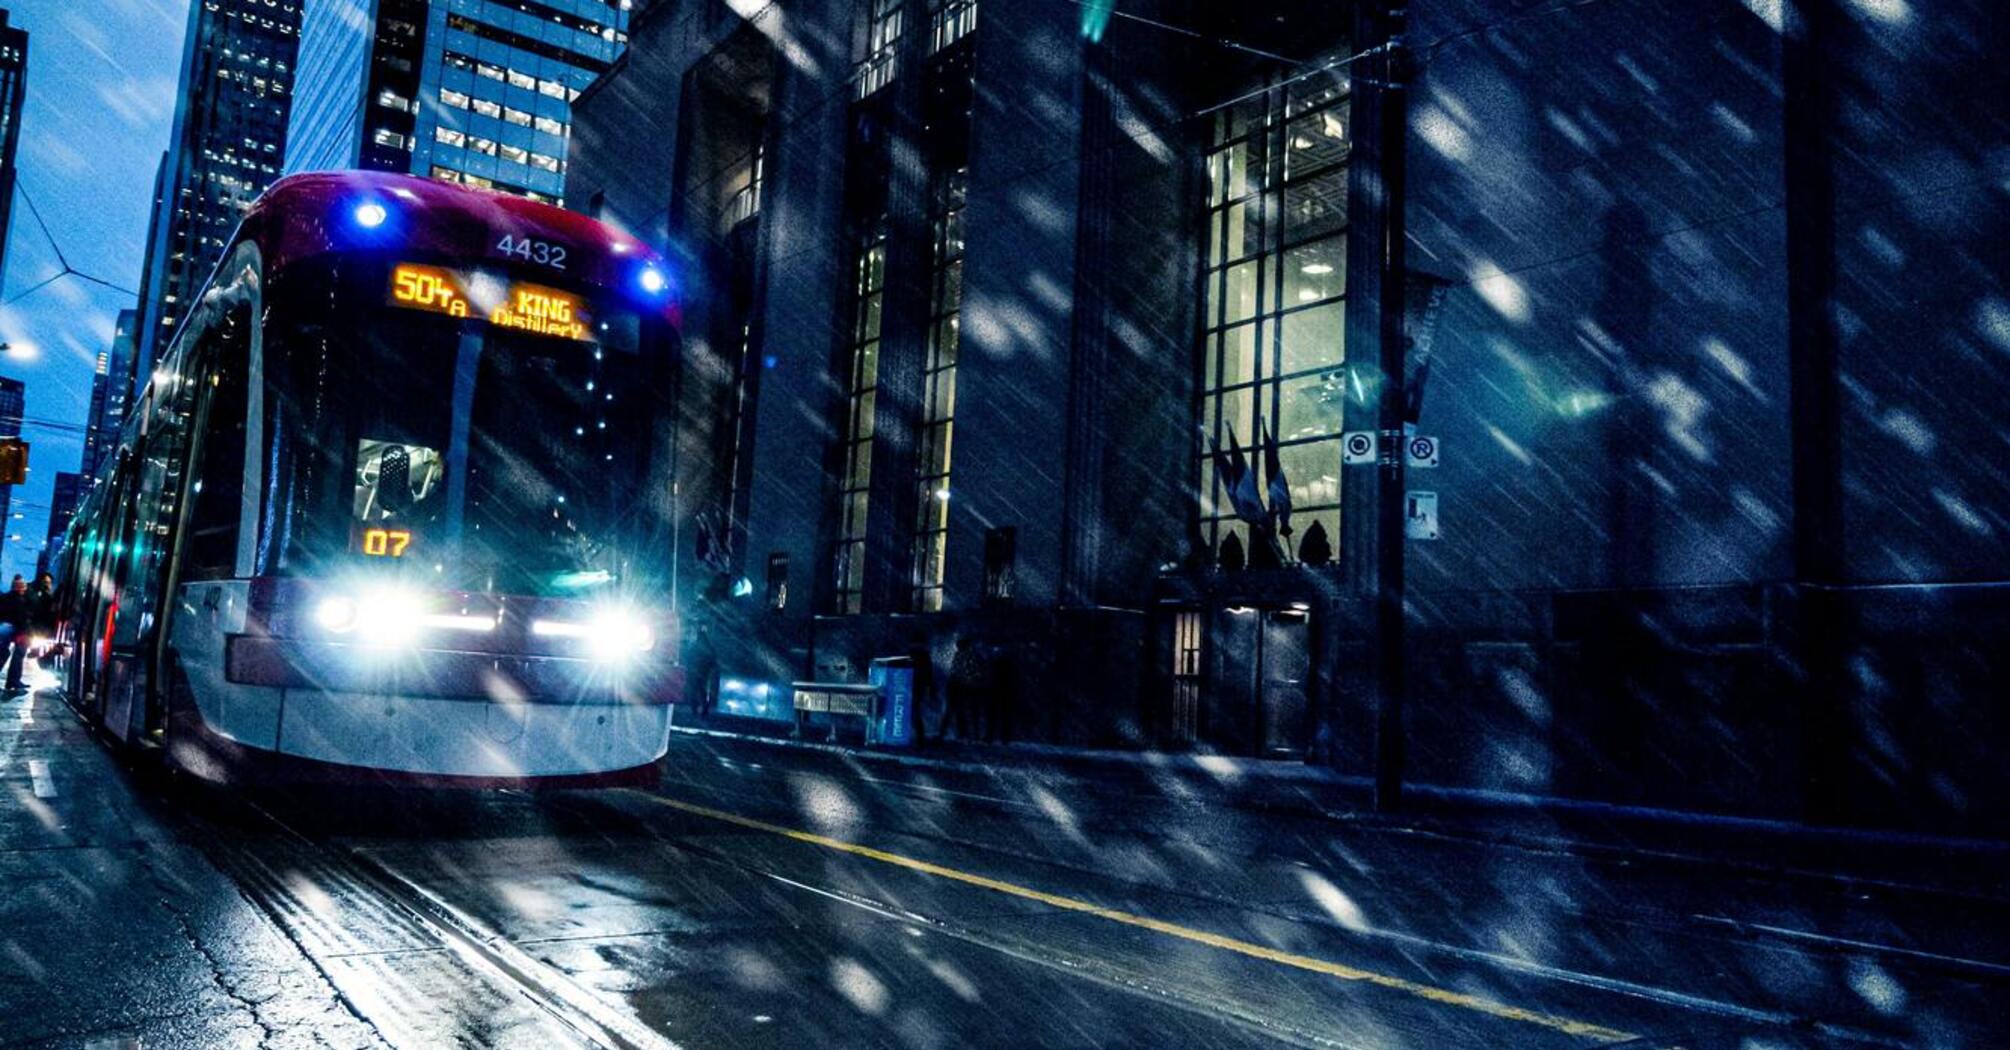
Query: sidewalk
x=94, y=877
x=1725, y=844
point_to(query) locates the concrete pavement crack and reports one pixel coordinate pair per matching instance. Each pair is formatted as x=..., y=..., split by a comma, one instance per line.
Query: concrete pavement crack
x=218, y=975
x=325, y=981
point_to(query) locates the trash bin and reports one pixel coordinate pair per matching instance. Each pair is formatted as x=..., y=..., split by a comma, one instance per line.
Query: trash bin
x=892, y=725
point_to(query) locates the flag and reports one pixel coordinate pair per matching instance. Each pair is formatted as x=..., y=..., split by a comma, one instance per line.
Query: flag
x=1279, y=489
x=1243, y=493
x=1222, y=478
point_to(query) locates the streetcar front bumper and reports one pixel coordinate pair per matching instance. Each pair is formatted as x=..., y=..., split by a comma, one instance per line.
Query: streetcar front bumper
x=449, y=674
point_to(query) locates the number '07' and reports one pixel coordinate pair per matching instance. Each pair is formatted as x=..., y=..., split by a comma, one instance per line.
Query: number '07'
x=544, y=253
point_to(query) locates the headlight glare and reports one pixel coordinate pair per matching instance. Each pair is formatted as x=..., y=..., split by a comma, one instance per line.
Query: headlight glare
x=390, y=617
x=619, y=636
x=336, y=613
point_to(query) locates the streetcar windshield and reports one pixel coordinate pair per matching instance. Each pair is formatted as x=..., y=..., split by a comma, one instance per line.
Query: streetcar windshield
x=479, y=451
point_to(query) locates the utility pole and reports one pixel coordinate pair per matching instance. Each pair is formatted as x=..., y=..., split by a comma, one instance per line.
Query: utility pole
x=1391, y=682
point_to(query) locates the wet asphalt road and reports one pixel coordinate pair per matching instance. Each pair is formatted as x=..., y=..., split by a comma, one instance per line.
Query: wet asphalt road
x=766, y=896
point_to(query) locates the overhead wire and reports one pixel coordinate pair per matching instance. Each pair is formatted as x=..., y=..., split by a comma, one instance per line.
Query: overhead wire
x=61, y=259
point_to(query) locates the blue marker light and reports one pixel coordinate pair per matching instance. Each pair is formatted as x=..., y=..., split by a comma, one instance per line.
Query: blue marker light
x=653, y=280
x=370, y=215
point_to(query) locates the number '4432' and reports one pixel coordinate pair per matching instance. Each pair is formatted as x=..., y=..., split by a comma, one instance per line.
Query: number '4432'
x=543, y=253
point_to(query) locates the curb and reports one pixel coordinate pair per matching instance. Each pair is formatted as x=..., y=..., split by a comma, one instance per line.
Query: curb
x=1463, y=814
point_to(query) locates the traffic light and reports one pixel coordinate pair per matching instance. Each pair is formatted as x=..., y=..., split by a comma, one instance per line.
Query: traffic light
x=13, y=461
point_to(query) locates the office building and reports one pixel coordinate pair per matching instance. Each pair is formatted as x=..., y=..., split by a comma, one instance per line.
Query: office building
x=110, y=395
x=64, y=499
x=1694, y=365
x=474, y=91
x=13, y=405
x=13, y=92
x=228, y=144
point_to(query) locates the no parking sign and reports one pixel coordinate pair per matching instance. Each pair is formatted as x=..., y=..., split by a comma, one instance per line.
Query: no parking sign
x=1423, y=451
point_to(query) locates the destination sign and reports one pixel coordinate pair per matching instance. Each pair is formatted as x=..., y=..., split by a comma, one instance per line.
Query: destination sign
x=517, y=305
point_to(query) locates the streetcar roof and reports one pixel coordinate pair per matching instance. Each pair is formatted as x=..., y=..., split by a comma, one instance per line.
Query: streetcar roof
x=311, y=214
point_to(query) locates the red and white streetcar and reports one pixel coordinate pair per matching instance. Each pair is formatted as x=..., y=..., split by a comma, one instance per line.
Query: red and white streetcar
x=394, y=502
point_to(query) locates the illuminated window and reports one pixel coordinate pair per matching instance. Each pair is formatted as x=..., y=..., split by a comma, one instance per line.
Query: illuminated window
x=862, y=388
x=1275, y=269
x=949, y=21
x=1186, y=675
x=487, y=107
x=481, y=145
x=515, y=154
x=938, y=406
x=744, y=180
x=548, y=126
x=551, y=89
x=483, y=69
x=516, y=116
x=544, y=163
x=449, y=136
x=882, y=37
x=387, y=137
x=522, y=80
x=453, y=98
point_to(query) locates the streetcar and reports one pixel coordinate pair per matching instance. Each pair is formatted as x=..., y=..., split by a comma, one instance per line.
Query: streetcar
x=394, y=502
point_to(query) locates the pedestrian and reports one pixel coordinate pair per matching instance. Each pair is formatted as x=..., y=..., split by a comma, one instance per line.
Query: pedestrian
x=42, y=613
x=1001, y=694
x=16, y=617
x=964, y=691
x=704, y=671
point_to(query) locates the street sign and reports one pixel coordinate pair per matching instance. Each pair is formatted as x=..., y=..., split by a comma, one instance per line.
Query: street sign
x=1423, y=451
x=1420, y=516
x=1357, y=446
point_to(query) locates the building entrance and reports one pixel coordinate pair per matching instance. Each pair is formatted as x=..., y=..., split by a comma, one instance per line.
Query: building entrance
x=1284, y=663
x=1258, y=703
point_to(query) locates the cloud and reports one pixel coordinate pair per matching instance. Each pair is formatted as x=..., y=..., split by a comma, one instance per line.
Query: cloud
x=140, y=102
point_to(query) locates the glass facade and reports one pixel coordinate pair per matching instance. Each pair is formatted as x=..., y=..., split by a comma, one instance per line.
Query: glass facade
x=938, y=405
x=862, y=388
x=229, y=143
x=1273, y=333
x=469, y=91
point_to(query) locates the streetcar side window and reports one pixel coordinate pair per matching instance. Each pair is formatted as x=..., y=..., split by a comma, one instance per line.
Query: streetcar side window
x=218, y=482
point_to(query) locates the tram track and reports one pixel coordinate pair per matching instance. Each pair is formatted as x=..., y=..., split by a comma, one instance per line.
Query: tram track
x=338, y=904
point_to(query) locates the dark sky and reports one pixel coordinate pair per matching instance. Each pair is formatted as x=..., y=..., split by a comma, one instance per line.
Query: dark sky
x=101, y=84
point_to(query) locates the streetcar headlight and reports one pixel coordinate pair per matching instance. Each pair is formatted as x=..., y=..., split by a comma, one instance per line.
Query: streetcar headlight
x=390, y=617
x=619, y=636
x=337, y=613
x=612, y=636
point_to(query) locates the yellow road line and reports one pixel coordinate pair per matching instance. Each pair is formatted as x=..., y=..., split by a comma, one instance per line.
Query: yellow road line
x=1428, y=992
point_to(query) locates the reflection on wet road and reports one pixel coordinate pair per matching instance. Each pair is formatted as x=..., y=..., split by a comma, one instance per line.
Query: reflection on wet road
x=766, y=896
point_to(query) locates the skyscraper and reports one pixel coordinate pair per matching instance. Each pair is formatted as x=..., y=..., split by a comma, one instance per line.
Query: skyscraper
x=109, y=396
x=13, y=89
x=228, y=144
x=476, y=91
x=63, y=502
x=13, y=403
